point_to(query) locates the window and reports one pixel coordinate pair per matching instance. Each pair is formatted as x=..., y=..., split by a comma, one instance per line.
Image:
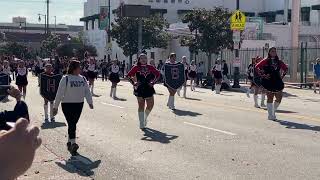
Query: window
x=179, y=1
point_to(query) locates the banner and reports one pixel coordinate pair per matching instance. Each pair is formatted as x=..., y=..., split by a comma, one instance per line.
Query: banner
x=104, y=18
x=175, y=75
x=4, y=86
x=49, y=86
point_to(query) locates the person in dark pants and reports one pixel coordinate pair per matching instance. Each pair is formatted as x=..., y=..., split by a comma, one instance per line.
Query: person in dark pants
x=73, y=88
x=20, y=110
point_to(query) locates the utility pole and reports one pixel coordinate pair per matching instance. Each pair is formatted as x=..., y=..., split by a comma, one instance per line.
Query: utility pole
x=236, y=73
x=109, y=30
x=295, y=24
x=48, y=28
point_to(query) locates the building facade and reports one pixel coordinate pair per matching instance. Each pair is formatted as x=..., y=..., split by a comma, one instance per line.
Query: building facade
x=274, y=14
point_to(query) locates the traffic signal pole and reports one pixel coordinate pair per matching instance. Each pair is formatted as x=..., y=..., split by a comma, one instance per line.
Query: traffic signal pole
x=236, y=72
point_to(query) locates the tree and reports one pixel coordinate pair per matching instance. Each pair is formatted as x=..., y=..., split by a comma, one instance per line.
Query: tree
x=125, y=31
x=75, y=50
x=18, y=50
x=212, y=28
x=50, y=44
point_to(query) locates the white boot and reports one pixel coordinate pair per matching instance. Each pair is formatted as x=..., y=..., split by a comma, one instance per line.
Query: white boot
x=248, y=92
x=263, y=98
x=146, y=115
x=275, y=108
x=218, y=87
x=92, y=86
x=178, y=91
x=141, y=119
x=46, y=116
x=171, y=102
x=114, y=93
x=270, y=111
x=255, y=98
x=184, y=92
x=111, y=92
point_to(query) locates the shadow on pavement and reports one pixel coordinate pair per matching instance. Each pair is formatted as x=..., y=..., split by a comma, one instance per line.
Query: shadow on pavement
x=80, y=165
x=157, y=136
x=179, y=112
x=293, y=125
x=52, y=125
x=193, y=99
x=286, y=94
x=120, y=99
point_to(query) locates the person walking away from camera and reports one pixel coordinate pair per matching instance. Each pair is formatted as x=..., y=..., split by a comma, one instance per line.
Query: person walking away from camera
x=22, y=78
x=114, y=78
x=217, y=75
x=186, y=70
x=255, y=82
x=316, y=69
x=143, y=77
x=48, y=70
x=193, y=75
x=272, y=71
x=104, y=70
x=73, y=88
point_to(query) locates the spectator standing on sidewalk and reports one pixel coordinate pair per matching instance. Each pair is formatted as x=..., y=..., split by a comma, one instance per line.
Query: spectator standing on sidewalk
x=316, y=69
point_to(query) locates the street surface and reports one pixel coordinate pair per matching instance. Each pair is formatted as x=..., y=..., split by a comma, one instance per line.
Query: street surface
x=209, y=137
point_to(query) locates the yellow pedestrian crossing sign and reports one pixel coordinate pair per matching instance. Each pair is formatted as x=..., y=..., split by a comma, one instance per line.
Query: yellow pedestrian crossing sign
x=238, y=21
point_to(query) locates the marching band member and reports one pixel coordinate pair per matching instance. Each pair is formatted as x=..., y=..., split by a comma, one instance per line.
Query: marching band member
x=255, y=80
x=172, y=92
x=186, y=69
x=193, y=75
x=217, y=74
x=143, y=77
x=272, y=70
x=22, y=79
x=114, y=78
x=48, y=71
x=73, y=88
x=91, y=74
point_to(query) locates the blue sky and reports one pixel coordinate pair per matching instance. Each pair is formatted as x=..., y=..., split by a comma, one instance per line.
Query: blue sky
x=67, y=11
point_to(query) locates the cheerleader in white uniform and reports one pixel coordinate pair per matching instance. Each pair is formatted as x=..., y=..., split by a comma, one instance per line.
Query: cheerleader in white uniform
x=186, y=70
x=192, y=75
x=114, y=78
x=22, y=80
x=217, y=74
x=91, y=74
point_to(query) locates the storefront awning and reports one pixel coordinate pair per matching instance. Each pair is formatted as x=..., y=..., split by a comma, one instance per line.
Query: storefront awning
x=89, y=18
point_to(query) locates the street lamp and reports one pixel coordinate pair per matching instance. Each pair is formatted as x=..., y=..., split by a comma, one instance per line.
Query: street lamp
x=45, y=22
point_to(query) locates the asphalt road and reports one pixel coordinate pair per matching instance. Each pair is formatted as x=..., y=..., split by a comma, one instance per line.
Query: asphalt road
x=209, y=137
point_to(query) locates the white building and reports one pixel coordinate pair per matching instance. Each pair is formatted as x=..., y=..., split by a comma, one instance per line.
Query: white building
x=271, y=11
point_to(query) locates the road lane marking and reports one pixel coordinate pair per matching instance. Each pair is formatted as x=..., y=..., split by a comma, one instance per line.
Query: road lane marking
x=112, y=105
x=213, y=129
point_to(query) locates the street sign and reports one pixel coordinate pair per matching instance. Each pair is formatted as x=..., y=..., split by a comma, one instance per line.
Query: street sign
x=238, y=21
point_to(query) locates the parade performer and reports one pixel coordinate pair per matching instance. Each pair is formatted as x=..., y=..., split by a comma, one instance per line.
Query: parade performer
x=174, y=74
x=316, y=69
x=73, y=88
x=217, y=74
x=114, y=78
x=272, y=70
x=91, y=74
x=143, y=77
x=49, y=72
x=255, y=81
x=104, y=70
x=186, y=69
x=22, y=79
x=193, y=75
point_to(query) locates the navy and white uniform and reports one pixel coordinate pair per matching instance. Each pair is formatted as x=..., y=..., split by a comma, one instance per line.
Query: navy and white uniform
x=91, y=71
x=22, y=79
x=114, y=75
x=193, y=71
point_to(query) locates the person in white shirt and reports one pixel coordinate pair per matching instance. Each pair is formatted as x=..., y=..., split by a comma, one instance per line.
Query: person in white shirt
x=193, y=75
x=217, y=74
x=114, y=78
x=73, y=88
x=22, y=80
